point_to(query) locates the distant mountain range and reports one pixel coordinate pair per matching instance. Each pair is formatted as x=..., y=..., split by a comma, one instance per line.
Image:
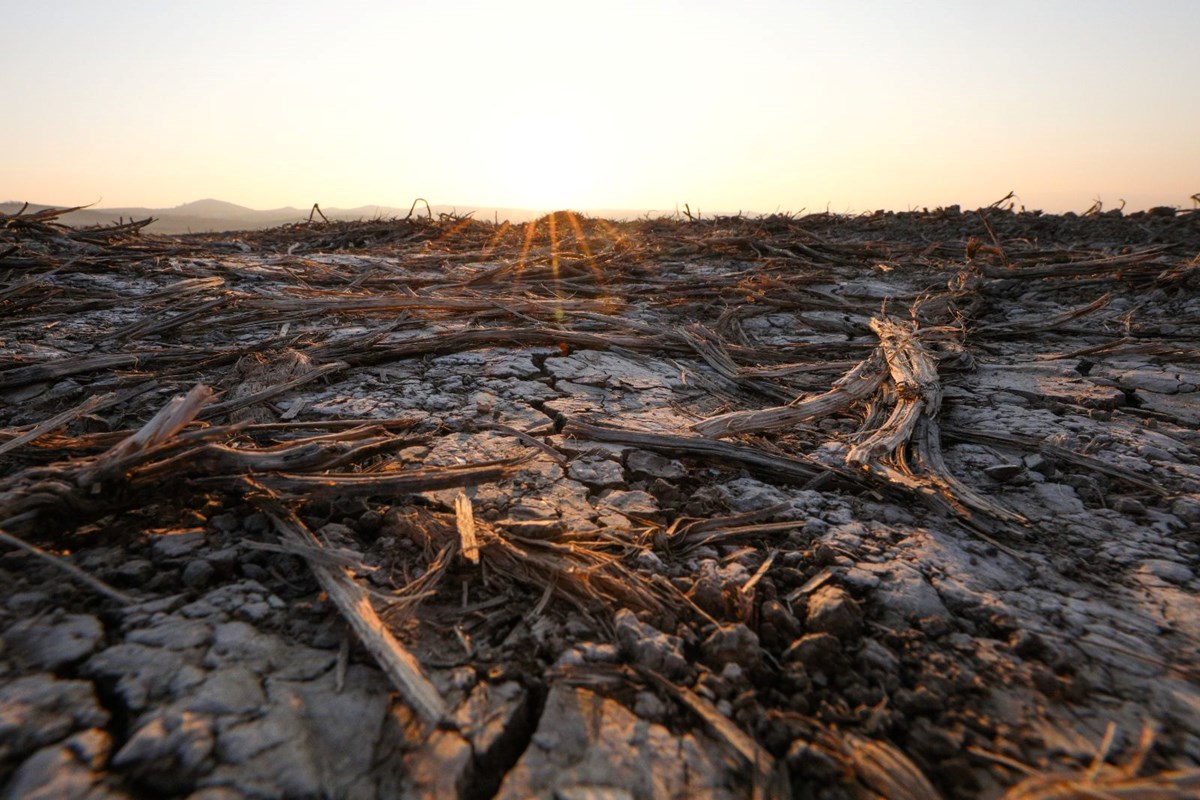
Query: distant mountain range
x=206, y=216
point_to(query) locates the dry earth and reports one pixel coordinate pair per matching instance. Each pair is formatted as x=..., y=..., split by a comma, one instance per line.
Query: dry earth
x=888, y=506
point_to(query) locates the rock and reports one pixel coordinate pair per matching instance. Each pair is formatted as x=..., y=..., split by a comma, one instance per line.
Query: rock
x=647, y=464
x=72, y=770
x=255, y=611
x=831, y=610
x=22, y=602
x=492, y=719
x=231, y=690
x=198, y=574
x=1168, y=570
x=443, y=766
x=648, y=706
x=777, y=626
x=1130, y=506
x=935, y=626
x=732, y=644
x=816, y=651
x=306, y=739
x=1028, y=644
x=1003, y=473
x=904, y=594
x=38, y=710
x=225, y=522
x=169, y=751
x=1187, y=508
x=878, y=656
x=1179, y=702
x=922, y=700
x=630, y=504
x=241, y=644
x=933, y=741
x=1149, y=380
x=1181, y=406
x=140, y=674
x=50, y=643
x=176, y=545
x=1058, y=499
x=588, y=746
x=1035, y=462
x=134, y=572
x=173, y=633
x=648, y=647
x=597, y=473
x=747, y=494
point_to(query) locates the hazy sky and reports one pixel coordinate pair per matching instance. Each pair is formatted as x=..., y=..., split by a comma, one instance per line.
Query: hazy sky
x=639, y=105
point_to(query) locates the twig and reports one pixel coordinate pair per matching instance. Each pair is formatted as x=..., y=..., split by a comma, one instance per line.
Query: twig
x=354, y=604
x=95, y=584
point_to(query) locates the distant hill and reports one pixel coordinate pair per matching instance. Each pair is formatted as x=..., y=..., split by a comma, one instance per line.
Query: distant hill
x=207, y=216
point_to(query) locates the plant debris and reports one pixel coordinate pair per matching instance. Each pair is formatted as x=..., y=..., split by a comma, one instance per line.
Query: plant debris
x=895, y=505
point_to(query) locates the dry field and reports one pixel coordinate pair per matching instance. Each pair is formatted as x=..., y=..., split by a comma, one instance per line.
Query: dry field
x=888, y=506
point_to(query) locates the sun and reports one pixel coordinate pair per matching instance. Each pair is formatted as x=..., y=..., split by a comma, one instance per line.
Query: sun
x=547, y=164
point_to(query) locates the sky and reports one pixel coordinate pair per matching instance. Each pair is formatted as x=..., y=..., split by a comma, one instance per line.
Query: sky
x=776, y=105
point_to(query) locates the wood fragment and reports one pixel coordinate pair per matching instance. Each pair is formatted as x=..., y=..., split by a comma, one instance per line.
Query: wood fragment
x=94, y=403
x=354, y=604
x=466, y=527
x=857, y=384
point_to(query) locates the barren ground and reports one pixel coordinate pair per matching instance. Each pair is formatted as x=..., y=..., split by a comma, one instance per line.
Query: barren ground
x=828, y=507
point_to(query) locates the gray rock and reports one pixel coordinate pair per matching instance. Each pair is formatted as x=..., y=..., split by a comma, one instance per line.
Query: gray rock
x=169, y=751
x=134, y=572
x=1059, y=499
x=818, y=652
x=904, y=593
x=226, y=523
x=648, y=647
x=1036, y=462
x=71, y=770
x=38, y=710
x=648, y=706
x=630, y=504
x=878, y=656
x=50, y=643
x=1187, y=508
x=255, y=611
x=308, y=740
x=747, y=494
x=173, y=633
x=171, y=546
x=599, y=652
x=1003, y=473
x=732, y=644
x=644, y=463
x=831, y=610
x=1130, y=506
x=588, y=746
x=597, y=473
x=1168, y=570
x=1150, y=380
x=239, y=643
x=232, y=690
x=141, y=674
x=1178, y=701
x=216, y=793
x=21, y=602
x=492, y=717
x=198, y=573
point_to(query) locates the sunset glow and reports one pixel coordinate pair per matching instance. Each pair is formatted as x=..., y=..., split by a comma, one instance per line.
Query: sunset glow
x=621, y=105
